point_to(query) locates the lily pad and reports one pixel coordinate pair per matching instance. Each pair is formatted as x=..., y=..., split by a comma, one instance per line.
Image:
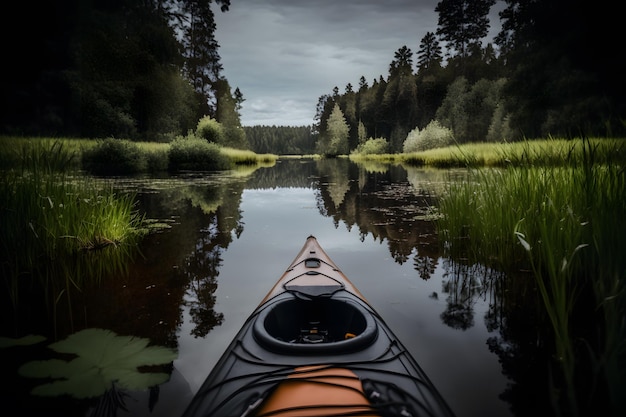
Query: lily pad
x=102, y=359
x=31, y=339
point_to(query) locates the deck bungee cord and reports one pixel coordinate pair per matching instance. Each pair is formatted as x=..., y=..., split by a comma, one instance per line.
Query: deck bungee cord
x=315, y=347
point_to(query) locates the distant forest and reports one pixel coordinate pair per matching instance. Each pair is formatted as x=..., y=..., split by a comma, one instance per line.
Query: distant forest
x=150, y=69
x=548, y=74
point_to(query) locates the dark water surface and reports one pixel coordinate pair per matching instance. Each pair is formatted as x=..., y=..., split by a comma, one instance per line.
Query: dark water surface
x=230, y=236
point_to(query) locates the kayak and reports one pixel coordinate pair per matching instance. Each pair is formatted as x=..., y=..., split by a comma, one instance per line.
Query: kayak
x=315, y=347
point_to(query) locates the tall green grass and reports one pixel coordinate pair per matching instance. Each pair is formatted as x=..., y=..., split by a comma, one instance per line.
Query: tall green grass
x=539, y=152
x=248, y=157
x=57, y=231
x=565, y=224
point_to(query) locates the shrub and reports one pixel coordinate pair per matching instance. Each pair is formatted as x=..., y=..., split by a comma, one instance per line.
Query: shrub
x=372, y=146
x=196, y=154
x=432, y=136
x=210, y=129
x=114, y=157
x=157, y=160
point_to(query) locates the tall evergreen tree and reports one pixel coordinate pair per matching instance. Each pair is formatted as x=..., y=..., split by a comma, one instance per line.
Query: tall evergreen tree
x=202, y=61
x=429, y=54
x=362, y=84
x=463, y=23
x=335, y=140
x=238, y=100
x=226, y=113
x=561, y=81
x=322, y=111
x=402, y=62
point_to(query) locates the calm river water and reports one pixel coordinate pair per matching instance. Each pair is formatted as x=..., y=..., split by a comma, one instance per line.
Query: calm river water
x=231, y=235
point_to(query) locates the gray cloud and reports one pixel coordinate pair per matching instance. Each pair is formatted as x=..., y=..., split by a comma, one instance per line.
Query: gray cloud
x=284, y=54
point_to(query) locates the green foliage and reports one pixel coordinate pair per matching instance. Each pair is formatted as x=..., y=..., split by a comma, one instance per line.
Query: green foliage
x=43, y=155
x=372, y=146
x=235, y=137
x=281, y=140
x=115, y=73
x=157, y=160
x=361, y=133
x=335, y=140
x=561, y=82
x=560, y=223
x=429, y=55
x=193, y=153
x=60, y=233
x=474, y=112
x=114, y=157
x=248, y=157
x=210, y=130
x=463, y=23
x=432, y=136
x=227, y=112
x=101, y=361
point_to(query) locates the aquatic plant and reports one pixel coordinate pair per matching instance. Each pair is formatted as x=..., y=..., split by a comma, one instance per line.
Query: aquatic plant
x=52, y=224
x=562, y=223
x=102, y=361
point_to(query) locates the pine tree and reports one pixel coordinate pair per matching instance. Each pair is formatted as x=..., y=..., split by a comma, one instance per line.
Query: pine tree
x=402, y=62
x=463, y=23
x=335, y=139
x=429, y=55
x=202, y=61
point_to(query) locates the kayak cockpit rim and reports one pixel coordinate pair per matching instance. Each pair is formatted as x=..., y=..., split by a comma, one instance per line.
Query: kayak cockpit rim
x=315, y=325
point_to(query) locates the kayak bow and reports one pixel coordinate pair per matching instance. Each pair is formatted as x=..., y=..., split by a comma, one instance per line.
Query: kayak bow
x=315, y=347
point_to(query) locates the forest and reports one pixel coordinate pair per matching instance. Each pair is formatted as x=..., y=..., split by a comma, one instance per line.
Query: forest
x=150, y=69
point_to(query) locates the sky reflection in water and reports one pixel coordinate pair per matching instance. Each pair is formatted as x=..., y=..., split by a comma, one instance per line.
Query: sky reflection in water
x=232, y=237
x=276, y=224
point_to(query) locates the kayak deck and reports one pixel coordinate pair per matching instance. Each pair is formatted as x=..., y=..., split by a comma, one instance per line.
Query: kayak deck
x=315, y=347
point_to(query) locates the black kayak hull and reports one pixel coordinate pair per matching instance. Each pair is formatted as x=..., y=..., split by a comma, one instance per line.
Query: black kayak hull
x=314, y=346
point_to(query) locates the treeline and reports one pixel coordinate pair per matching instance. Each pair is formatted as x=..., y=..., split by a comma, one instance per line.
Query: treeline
x=546, y=74
x=281, y=140
x=133, y=69
x=150, y=70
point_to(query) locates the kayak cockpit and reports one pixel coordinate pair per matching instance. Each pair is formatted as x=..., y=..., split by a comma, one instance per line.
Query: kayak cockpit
x=315, y=325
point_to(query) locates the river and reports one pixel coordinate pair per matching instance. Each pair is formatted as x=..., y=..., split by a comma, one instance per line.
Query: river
x=227, y=237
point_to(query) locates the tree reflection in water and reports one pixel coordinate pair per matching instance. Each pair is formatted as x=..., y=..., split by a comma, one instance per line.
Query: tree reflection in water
x=201, y=269
x=465, y=285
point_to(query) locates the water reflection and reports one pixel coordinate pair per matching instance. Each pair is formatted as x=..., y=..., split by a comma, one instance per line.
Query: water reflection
x=177, y=272
x=382, y=204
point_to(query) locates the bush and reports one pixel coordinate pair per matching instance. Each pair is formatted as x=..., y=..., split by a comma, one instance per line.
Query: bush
x=210, y=130
x=235, y=137
x=157, y=160
x=114, y=157
x=432, y=136
x=372, y=146
x=196, y=154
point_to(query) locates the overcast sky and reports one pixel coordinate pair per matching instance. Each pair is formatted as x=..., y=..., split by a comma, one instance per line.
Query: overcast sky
x=284, y=54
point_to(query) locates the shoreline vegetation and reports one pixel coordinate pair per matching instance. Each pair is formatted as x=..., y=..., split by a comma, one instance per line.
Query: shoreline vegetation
x=549, y=213
x=555, y=215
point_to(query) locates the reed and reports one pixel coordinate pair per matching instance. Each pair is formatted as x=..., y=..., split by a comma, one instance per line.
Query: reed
x=52, y=225
x=563, y=223
x=248, y=157
x=544, y=152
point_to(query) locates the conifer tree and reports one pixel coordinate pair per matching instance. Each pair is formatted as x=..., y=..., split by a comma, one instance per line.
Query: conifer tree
x=335, y=140
x=429, y=55
x=202, y=61
x=463, y=23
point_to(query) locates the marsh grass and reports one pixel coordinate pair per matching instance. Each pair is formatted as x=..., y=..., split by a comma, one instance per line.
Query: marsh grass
x=57, y=231
x=247, y=157
x=123, y=157
x=565, y=224
x=540, y=152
